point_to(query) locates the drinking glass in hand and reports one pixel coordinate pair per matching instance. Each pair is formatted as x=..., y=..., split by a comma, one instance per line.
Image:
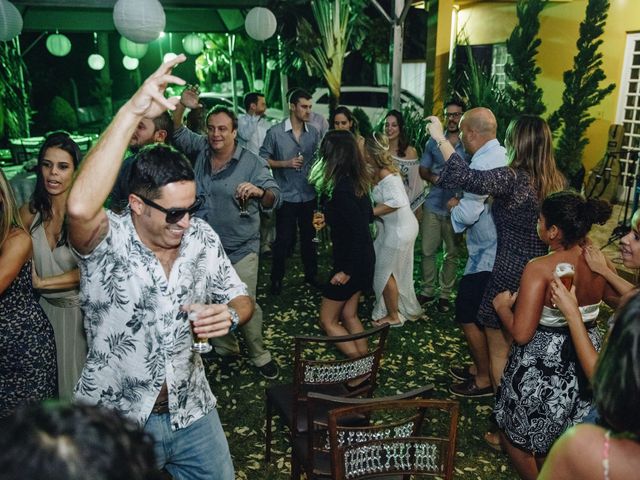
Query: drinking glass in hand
x=566, y=271
x=243, y=203
x=318, y=224
x=200, y=345
x=300, y=157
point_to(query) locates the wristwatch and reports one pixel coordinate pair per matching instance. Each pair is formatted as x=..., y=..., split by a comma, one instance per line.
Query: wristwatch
x=235, y=319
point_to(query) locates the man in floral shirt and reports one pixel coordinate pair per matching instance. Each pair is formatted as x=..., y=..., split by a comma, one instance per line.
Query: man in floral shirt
x=141, y=273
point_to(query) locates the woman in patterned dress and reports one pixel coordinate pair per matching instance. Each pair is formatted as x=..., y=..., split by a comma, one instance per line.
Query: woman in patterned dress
x=56, y=276
x=27, y=348
x=544, y=390
x=517, y=190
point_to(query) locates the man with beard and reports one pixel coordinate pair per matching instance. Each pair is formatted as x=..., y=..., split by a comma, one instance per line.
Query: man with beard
x=158, y=130
x=253, y=125
x=436, y=228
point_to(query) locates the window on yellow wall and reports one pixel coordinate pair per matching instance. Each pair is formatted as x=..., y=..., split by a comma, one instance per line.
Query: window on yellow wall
x=499, y=60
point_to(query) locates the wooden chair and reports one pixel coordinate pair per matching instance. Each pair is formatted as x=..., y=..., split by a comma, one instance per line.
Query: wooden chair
x=410, y=437
x=317, y=369
x=310, y=451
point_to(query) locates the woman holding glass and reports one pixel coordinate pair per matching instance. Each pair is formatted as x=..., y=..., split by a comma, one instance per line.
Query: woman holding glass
x=343, y=180
x=55, y=275
x=27, y=347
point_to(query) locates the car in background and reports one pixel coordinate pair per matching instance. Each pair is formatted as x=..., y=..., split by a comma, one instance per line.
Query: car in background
x=214, y=99
x=373, y=100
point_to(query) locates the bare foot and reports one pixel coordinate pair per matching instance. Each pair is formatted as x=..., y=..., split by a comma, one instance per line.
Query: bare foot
x=394, y=322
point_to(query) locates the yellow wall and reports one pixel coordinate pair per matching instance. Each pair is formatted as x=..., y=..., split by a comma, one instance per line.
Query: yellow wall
x=492, y=22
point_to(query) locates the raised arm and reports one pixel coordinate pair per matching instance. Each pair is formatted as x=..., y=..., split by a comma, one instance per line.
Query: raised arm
x=434, y=128
x=190, y=98
x=88, y=223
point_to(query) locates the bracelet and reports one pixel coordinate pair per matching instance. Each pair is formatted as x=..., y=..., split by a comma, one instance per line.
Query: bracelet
x=440, y=142
x=264, y=192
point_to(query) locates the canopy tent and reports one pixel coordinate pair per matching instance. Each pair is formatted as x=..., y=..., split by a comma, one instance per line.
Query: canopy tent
x=216, y=16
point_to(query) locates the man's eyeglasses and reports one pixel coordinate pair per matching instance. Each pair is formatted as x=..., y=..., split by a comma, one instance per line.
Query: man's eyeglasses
x=452, y=114
x=174, y=215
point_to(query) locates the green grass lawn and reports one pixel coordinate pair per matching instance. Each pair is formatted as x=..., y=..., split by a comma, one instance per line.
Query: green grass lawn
x=416, y=354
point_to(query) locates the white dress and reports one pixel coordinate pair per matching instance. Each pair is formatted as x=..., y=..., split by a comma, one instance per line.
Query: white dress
x=414, y=185
x=396, y=235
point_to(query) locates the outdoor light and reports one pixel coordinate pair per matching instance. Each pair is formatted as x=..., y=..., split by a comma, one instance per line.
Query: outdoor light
x=96, y=61
x=10, y=21
x=130, y=63
x=58, y=44
x=260, y=23
x=258, y=84
x=192, y=44
x=133, y=49
x=169, y=56
x=271, y=64
x=141, y=21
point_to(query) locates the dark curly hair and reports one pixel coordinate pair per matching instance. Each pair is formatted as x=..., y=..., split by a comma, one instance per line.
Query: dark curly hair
x=574, y=215
x=74, y=442
x=40, y=201
x=616, y=383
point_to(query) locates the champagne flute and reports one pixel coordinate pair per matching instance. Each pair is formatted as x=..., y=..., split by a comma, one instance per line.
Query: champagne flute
x=243, y=203
x=318, y=224
x=299, y=155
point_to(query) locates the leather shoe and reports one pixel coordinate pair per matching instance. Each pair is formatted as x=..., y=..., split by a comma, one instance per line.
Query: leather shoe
x=469, y=389
x=276, y=287
x=269, y=370
x=422, y=299
x=461, y=373
x=444, y=305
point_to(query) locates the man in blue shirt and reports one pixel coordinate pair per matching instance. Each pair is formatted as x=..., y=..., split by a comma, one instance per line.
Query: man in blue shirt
x=228, y=176
x=473, y=214
x=436, y=228
x=289, y=147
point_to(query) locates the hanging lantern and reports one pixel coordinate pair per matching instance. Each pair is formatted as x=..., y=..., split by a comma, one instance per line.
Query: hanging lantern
x=271, y=64
x=141, y=21
x=258, y=84
x=168, y=57
x=192, y=44
x=58, y=44
x=133, y=49
x=260, y=23
x=96, y=61
x=10, y=21
x=130, y=63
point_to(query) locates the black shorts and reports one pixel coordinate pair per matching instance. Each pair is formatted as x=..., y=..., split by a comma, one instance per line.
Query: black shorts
x=470, y=292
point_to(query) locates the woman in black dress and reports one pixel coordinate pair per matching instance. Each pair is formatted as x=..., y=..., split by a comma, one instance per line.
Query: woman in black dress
x=27, y=348
x=343, y=179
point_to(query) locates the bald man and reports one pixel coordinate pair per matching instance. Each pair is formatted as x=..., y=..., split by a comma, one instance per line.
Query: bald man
x=472, y=213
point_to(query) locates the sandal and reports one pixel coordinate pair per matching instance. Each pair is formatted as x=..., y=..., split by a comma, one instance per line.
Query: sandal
x=378, y=323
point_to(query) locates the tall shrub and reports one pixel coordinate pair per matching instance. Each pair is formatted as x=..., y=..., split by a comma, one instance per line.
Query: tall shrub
x=522, y=71
x=582, y=91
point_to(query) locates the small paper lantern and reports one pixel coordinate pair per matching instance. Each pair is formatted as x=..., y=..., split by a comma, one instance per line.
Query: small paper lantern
x=133, y=49
x=258, y=84
x=58, y=45
x=260, y=23
x=168, y=57
x=10, y=21
x=271, y=64
x=96, y=61
x=141, y=21
x=192, y=44
x=130, y=63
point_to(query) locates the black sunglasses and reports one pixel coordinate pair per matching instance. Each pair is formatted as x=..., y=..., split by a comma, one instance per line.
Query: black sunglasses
x=174, y=215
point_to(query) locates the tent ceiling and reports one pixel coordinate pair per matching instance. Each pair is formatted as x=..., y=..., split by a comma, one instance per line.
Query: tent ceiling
x=97, y=15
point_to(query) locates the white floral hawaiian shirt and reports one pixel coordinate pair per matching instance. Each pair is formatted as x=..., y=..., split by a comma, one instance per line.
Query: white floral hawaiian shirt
x=136, y=333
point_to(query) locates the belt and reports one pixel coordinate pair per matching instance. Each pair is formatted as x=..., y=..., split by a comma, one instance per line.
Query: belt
x=161, y=407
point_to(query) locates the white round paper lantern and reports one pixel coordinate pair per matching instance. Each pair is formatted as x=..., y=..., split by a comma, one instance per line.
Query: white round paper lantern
x=258, y=84
x=133, y=49
x=192, y=44
x=10, y=21
x=130, y=63
x=271, y=64
x=96, y=61
x=58, y=45
x=141, y=21
x=168, y=57
x=260, y=23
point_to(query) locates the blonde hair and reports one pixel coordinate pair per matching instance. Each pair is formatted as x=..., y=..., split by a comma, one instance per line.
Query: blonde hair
x=530, y=149
x=376, y=148
x=9, y=215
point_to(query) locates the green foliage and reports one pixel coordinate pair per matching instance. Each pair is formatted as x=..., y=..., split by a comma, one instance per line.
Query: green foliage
x=414, y=128
x=522, y=71
x=14, y=107
x=364, y=124
x=61, y=116
x=582, y=91
x=339, y=25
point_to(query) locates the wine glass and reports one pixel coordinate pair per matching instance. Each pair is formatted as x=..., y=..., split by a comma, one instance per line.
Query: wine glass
x=318, y=224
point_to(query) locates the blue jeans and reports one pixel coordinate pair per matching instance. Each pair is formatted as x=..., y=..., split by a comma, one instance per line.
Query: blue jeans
x=198, y=452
